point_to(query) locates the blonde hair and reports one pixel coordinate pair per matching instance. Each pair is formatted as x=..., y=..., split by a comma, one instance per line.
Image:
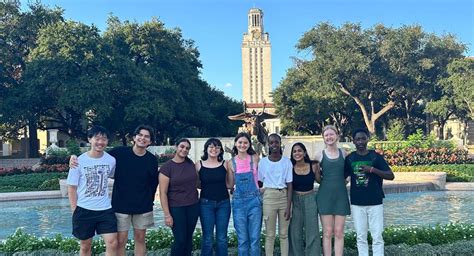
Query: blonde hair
x=330, y=127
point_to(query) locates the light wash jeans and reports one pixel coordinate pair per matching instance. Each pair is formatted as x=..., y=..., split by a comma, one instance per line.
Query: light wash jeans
x=368, y=218
x=214, y=214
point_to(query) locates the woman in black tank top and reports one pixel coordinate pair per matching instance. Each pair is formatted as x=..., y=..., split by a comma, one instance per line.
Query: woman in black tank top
x=304, y=220
x=214, y=181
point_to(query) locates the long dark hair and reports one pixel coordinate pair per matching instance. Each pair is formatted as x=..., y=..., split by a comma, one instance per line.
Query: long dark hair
x=215, y=142
x=303, y=147
x=187, y=159
x=250, y=150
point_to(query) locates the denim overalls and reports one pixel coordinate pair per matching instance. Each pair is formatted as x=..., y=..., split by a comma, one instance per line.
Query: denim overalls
x=247, y=211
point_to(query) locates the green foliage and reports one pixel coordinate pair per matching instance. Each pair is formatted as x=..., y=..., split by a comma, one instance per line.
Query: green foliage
x=52, y=184
x=57, y=152
x=30, y=182
x=420, y=156
x=372, y=70
x=62, y=71
x=455, y=172
x=461, y=84
x=396, y=131
x=411, y=239
x=73, y=147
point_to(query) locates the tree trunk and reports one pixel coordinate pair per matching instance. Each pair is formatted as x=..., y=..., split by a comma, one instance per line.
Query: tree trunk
x=369, y=118
x=33, y=145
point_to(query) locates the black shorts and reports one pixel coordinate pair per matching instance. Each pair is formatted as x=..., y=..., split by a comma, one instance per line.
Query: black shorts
x=86, y=223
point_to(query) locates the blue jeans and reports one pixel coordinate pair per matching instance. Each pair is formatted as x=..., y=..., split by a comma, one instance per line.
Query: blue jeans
x=216, y=214
x=247, y=213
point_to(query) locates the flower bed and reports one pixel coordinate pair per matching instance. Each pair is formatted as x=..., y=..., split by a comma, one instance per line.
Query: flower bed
x=401, y=238
x=421, y=156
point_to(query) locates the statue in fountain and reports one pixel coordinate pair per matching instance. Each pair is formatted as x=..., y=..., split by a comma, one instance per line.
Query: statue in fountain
x=254, y=125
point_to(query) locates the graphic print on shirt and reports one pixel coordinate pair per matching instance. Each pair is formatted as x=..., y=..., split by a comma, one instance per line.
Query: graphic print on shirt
x=361, y=179
x=97, y=180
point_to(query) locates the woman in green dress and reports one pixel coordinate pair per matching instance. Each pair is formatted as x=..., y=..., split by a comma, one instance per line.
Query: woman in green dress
x=332, y=200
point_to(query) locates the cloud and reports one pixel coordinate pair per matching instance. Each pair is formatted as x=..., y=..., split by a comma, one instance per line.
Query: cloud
x=228, y=85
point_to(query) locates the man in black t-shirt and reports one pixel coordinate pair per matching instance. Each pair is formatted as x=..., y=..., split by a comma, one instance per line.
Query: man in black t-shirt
x=135, y=184
x=136, y=181
x=367, y=170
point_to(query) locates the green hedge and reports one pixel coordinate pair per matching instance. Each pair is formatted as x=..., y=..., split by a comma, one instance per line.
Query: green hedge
x=161, y=238
x=455, y=172
x=31, y=182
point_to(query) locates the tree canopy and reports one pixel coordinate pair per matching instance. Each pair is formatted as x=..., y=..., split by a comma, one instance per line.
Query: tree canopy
x=374, y=70
x=68, y=75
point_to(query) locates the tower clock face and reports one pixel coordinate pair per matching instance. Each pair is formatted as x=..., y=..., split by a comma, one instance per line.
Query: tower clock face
x=256, y=34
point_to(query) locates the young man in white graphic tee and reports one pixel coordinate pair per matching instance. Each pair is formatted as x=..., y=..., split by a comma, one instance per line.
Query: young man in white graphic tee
x=89, y=194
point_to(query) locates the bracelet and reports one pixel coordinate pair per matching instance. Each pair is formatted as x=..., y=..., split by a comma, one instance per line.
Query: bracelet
x=371, y=169
x=167, y=216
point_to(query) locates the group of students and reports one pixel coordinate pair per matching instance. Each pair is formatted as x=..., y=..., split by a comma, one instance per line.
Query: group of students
x=274, y=188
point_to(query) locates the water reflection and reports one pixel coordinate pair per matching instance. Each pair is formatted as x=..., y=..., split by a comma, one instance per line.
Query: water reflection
x=52, y=216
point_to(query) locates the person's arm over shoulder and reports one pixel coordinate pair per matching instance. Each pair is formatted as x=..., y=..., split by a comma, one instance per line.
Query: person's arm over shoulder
x=115, y=151
x=381, y=168
x=72, y=182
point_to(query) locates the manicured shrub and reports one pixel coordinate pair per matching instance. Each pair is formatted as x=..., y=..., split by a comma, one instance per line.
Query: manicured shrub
x=51, y=160
x=455, y=172
x=29, y=182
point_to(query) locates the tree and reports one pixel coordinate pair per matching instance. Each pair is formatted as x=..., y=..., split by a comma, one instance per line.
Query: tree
x=66, y=84
x=378, y=68
x=154, y=78
x=18, y=32
x=461, y=83
x=306, y=106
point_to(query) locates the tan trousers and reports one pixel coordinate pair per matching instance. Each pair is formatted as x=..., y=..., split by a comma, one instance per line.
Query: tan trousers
x=274, y=204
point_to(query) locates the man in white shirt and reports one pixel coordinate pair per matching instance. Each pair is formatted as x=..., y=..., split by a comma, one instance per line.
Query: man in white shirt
x=89, y=194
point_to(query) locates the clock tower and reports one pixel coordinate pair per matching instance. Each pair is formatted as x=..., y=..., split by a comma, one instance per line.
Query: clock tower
x=256, y=61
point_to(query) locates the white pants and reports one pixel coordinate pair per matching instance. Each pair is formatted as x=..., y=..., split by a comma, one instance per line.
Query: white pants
x=368, y=218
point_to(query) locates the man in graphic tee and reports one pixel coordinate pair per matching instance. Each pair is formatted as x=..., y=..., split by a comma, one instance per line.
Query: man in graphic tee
x=367, y=170
x=89, y=194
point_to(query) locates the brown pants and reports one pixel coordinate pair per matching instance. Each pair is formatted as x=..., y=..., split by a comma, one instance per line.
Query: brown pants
x=274, y=204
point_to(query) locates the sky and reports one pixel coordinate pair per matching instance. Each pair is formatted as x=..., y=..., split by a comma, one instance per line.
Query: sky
x=217, y=26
